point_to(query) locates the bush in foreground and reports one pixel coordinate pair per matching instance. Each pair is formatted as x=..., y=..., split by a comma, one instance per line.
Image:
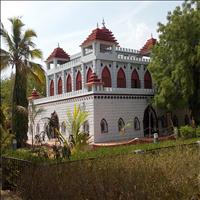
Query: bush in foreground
x=170, y=174
x=189, y=132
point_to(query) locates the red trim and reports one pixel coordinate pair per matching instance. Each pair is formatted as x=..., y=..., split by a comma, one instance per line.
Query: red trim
x=78, y=81
x=100, y=34
x=106, y=78
x=89, y=73
x=121, y=79
x=58, y=53
x=52, y=88
x=135, y=81
x=145, y=50
x=147, y=80
x=60, y=86
x=69, y=84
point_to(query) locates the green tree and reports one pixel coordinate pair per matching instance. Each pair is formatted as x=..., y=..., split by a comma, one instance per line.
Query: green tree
x=21, y=50
x=6, y=87
x=75, y=120
x=175, y=60
x=5, y=136
x=33, y=113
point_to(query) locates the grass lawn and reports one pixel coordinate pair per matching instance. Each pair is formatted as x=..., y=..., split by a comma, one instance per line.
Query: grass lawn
x=109, y=151
x=99, y=152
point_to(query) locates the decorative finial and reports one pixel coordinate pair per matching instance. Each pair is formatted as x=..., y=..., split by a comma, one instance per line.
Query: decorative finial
x=151, y=35
x=58, y=45
x=97, y=25
x=103, y=23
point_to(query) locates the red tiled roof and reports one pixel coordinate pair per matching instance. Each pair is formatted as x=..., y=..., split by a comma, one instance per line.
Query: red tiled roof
x=145, y=50
x=94, y=79
x=101, y=34
x=58, y=53
x=34, y=95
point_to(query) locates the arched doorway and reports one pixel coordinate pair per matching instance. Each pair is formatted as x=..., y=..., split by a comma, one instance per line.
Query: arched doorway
x=150, y=121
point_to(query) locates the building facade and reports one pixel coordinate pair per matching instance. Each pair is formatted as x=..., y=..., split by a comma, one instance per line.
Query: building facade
x=111, y=83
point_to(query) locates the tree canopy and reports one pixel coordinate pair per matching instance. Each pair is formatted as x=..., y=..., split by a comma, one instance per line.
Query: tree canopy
x=19, y=53
x=175, y=60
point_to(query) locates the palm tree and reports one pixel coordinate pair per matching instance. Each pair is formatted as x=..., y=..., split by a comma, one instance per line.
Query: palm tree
x=20, y=50
x=75, y=121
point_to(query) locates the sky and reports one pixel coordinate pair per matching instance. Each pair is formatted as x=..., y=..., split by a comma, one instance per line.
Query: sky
x=69, y=23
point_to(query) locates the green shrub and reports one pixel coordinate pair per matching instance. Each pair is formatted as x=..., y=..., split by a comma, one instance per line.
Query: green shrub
x=187, y=132
x=198, y=131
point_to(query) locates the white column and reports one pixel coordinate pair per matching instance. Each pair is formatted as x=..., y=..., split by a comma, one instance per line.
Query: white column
x=141, y=76
x=73, y=79
x=128, y=75
x=55, y=84
x=97, y=68
x=83, y=75
x=94, y=47
x=113, y=76
x=47, y=85
x=63, y=81
x=55, y=62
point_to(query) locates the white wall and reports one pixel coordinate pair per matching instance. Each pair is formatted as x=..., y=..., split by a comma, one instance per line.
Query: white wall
x=113, y=109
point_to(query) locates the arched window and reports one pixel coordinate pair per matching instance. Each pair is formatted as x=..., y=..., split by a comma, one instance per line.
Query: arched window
x=69, y=83
x=147, y=80
x=106, y=78
x=121, y=125
x=121, y=79
x=175, y=120
x=38, y=128
x=104, y=126
x=63, y=128
x=45, y=127
x=89, y=73
x=52, y=88
x=135, y=81
x=187, y=120
x=136, y=124
x=78, y=81
x=86, y=127
x=60, y=86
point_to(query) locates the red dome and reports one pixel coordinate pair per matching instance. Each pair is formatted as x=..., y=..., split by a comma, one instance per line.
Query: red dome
x=103, y=34
x=58, y=53
x=145, y=50
x=94, y=79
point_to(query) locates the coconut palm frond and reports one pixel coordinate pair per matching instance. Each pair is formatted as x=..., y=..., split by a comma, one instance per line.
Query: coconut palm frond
x=16, y=30
x=36, y=71
x=7, y=39
x=5, y=59
x=36, y=53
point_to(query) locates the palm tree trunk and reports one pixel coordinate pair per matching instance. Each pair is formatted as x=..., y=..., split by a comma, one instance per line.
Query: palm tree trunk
x=20, y=119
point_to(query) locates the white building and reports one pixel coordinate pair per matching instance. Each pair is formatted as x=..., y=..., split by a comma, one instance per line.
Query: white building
x=110, y=82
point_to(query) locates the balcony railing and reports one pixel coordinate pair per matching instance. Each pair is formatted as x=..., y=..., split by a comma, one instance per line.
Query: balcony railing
x=73, y=94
